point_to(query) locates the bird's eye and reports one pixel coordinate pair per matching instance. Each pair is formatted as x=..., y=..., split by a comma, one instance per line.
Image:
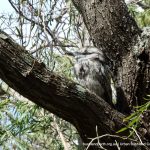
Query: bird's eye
x=81, y=69
x=96, y=58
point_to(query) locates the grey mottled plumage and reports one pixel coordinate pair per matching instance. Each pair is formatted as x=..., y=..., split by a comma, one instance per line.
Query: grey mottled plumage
x=92, y=72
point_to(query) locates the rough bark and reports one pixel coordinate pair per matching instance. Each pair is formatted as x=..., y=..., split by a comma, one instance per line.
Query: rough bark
x=116, y=33
x=109, y=24
x=57, y=94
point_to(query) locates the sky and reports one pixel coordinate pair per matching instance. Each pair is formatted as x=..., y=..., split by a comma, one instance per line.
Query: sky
x=5, y=7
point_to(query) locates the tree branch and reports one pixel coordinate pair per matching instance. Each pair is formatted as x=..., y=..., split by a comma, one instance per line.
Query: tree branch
x=57, y=94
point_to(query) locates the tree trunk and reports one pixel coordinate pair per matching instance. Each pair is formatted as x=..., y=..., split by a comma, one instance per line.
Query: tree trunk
x=115, y=32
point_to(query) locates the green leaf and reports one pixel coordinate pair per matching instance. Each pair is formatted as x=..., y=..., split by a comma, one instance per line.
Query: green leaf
x=122, y=129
